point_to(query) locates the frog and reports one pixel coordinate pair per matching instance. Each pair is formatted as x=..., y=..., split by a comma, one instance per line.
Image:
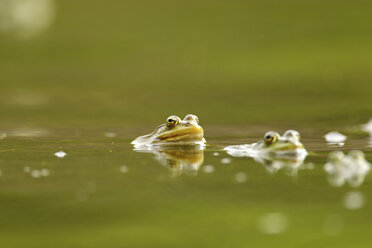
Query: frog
x=272, y=144
x=174, y=132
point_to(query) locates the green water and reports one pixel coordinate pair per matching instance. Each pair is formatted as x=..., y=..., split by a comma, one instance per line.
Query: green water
x=122, y=67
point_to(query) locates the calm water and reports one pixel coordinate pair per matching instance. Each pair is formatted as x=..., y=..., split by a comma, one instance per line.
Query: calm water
x=102, y=193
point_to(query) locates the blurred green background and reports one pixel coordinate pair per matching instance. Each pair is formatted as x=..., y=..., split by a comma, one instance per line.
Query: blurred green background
x=73, y=71
x=135, y=62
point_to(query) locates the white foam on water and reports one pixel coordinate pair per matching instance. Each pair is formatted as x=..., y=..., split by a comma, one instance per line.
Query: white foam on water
x=60, y=154
x=335, y=137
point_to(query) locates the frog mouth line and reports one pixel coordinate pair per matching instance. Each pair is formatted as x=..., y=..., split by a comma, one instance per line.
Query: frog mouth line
x=186, y=136
x=287, y=146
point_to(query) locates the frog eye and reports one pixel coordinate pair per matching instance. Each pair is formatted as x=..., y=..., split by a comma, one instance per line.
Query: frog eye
x=270, y=138
x=172, y=121
x=191, y=117
x=292, y=134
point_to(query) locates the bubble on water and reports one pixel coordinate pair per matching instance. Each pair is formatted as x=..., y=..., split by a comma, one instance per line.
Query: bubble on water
x=226, y=161
x=353, y=200
x=60, y=154
x=208, y=168
x=335, y=137
x=240, y=177
x=27, y=169
x=110, y=135
x=123, y=169
x=44, y=172
x=35, y=173
x=333, y=225
x=273, y=223
x=216, y=154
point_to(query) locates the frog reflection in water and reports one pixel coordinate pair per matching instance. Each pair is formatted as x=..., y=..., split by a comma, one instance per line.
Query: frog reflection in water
x=178, y=160
x=174, y=132
x=177, y=144
x=275, y=152
x=291, y=166
x=351, y=168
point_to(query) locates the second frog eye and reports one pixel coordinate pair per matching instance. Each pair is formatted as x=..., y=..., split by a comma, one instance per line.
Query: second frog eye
x=292, y=134
x=270, y=138
x=191, y=117
x=172, y=121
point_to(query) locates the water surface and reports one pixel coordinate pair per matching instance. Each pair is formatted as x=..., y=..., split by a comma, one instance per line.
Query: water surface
x=102, y=193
